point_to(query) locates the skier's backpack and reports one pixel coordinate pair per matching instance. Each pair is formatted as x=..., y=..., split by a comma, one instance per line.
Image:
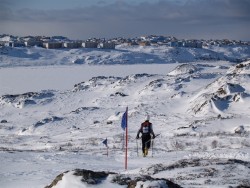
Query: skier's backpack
x=146, y=127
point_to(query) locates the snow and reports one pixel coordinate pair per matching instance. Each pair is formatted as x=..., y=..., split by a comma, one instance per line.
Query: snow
x=69, y=180
x=58, y=113
x=150, y=184
x=51, y=77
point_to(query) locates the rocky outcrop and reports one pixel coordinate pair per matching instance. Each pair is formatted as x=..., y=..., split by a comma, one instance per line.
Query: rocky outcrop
x=25, y=99
x=95, y=82
x=129, y=180
x=198, y=171
x=143, y=181
x=47, y=120
x=183, y=69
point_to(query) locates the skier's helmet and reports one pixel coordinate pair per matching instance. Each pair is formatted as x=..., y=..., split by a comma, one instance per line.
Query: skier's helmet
x=147, y=118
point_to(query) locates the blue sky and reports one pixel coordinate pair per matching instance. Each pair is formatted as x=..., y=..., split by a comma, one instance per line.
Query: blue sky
x=81, y=19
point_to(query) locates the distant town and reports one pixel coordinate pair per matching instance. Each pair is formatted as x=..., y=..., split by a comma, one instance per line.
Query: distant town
x=56, y=42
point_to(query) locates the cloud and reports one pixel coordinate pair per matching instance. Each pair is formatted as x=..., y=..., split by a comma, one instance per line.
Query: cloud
x=187, y=18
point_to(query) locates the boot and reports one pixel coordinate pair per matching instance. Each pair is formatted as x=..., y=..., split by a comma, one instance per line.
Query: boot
x=146, y=151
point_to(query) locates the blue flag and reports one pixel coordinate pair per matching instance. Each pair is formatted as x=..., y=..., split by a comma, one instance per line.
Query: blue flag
x=124, y=120
x=105, y=142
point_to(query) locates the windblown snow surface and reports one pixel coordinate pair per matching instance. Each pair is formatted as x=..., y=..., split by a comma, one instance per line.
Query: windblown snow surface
x=200, y=108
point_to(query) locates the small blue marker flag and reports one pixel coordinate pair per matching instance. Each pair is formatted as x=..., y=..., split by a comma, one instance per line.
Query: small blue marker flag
x=124, y=120
x=105, y=142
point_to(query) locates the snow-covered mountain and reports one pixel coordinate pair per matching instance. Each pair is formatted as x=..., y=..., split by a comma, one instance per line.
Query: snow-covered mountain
x=199, y=108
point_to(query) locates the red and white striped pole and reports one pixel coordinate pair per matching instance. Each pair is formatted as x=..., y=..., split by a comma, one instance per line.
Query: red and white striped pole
x=126, y=152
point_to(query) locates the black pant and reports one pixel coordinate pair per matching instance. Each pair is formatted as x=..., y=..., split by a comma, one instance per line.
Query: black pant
x=145, y=141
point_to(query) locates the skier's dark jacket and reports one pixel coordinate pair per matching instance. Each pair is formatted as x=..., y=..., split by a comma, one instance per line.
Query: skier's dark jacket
x=146, y=129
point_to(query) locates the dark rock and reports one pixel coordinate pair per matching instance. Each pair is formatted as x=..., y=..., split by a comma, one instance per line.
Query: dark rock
x=4, y=121
x=27, y=98
x=94, y=82
x=184, y=69
x=121, y=179
x=132, y=181
x=109, y=122
x=237, y=161
x=23, y=130
x=91, y=177
x=119, y=94
x=78, y=110
x=243, y=186
x=88, y=176
x=137, y=76
x=56, y=180
x=156, y=83
x=81, y=86
x=241, y=65
x=239, y=130
x=47, y=120
x=28, y=102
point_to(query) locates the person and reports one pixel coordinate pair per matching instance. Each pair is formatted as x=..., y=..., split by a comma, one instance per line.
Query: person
x=146, y=130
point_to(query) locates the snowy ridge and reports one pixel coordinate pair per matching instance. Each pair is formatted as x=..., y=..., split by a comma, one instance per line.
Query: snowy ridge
x=183, y=69
x=225, y=91
x=30, y=98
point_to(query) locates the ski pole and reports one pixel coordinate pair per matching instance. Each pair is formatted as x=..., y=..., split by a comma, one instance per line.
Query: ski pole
x=137, y=147
x=152, y=139
x=152, y=147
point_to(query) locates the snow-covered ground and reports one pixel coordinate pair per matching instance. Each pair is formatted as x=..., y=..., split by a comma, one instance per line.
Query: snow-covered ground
x=54, y=118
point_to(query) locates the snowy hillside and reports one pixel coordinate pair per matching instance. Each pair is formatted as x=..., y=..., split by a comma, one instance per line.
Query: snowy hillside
x=123, y=54
x=200, y=109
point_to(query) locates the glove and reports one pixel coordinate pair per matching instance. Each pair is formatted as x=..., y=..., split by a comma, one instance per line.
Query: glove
x=137, y=137
x=153, y=137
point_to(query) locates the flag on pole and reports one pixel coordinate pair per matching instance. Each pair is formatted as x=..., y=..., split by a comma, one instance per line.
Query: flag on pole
x=124, y=126
x=124, y=120
x=105, y=142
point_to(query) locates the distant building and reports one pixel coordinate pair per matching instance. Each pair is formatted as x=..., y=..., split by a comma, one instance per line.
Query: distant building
x=2, y=43
x=52, y=45
x=72, y=44
x=107, y=45
x=89, y=44
x=33, y=43
x=199, y=45
x=187, y=44
x=133, y=43
x=176, y=44
x=16, y=44
x=45, y=39
x=144, y=43
x=192, y=44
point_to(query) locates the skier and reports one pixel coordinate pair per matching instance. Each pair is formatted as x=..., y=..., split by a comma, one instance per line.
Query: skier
x=146, y=130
